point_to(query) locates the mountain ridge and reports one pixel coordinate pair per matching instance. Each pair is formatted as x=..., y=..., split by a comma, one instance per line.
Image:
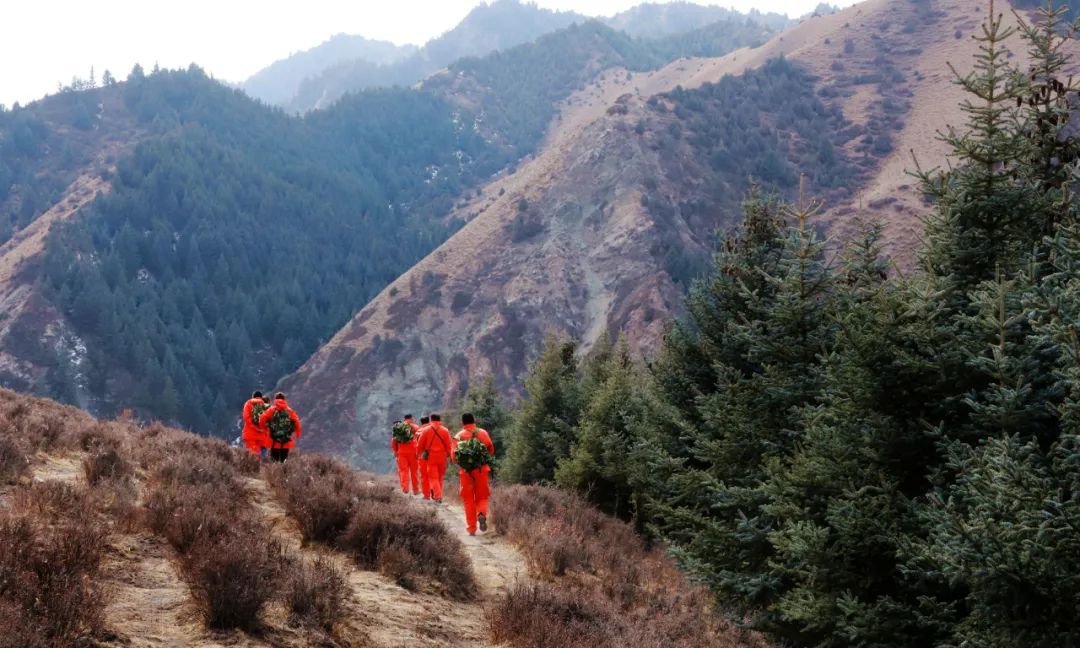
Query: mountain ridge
x=419, y=345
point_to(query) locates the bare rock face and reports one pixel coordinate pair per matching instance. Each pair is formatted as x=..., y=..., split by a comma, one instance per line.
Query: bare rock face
x=567, y=253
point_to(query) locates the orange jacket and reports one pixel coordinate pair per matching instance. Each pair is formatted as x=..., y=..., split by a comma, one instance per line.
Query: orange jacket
x=252, y=432
x=437, y=442
x=409, y=447
x=264, y=424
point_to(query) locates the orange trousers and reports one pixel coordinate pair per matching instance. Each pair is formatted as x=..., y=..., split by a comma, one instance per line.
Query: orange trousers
x=436, y=473
x=425, y=483
x=408, y=471
x=475, y=492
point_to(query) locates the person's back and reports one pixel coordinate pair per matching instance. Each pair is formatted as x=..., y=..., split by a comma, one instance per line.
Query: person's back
x=405, y=453
x=252, y=435
x=282, y=426
x=435, y=449
x=475, y=469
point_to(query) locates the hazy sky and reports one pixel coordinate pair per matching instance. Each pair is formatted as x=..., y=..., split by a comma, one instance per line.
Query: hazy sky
x=43, y=42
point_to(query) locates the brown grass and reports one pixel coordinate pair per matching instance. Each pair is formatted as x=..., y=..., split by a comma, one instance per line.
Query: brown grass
x=613, y=589
x=365, y=518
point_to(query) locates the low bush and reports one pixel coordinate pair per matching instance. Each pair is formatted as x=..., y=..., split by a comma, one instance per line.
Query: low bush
x=227, y=553
x=234, y=575
x=106, y=465
x=401, y=542
x=334, y=505
x=615, y=589
x=315, y=594
x=48, y=580
x=13, y=461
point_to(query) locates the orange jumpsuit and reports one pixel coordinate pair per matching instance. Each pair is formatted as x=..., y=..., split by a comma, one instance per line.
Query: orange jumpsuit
x=438, y=444
x=425, y=485
x=475, y=484
x=252, y=436
x=408, y=471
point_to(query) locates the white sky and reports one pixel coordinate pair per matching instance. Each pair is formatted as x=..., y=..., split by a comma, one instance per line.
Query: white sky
x=43, y=42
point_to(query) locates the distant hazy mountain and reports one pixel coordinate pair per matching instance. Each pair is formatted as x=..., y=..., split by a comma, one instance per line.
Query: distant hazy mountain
x=658, y=20
x=278, y=82
x=499, y=25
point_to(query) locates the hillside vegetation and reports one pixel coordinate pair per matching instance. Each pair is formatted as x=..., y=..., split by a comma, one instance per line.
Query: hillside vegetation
x=848, y=455
x=234, y=240
x=117, y=533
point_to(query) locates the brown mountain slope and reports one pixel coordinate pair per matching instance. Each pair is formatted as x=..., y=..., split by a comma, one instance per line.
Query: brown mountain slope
x=568, y=243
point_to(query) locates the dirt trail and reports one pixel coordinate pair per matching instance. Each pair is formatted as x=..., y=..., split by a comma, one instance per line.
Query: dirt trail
x=393, y=616
x=150, y=606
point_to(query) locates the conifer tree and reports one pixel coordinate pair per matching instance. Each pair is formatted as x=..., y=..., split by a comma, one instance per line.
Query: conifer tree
x=483, y=401
x=543, y=429
x=600, y=466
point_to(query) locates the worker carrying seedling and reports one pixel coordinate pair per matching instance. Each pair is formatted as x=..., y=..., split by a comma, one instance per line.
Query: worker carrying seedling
x=421, y=463
x=281, y=425
x=435, y=448
x=403, y=443
x=253, y=437
x=473, y=452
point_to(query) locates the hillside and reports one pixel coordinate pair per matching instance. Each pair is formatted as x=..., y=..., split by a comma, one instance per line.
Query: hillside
x=127, y=535
x=602, y=228
x=229, y=240
x=278, y=82
x=489, y=27
x=157, y=294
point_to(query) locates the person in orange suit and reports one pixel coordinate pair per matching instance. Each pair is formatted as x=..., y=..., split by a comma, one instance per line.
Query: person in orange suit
x=435, y=448
x=406, y=460
x=425, y=484
x=475, y=484
x=279, y=450
x=252, y=435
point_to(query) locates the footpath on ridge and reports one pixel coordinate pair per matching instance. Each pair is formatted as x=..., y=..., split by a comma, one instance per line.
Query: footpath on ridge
x=152, y=606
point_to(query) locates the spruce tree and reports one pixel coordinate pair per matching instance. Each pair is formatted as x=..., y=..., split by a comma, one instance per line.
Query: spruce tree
x=483, y=401
x=544, y=428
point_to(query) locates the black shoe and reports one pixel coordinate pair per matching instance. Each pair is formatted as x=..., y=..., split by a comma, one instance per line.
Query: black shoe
x=482, y=521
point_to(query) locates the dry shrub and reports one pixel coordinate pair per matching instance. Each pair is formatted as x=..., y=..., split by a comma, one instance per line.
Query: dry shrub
x=315, y=594
x=334, y=505
x=234, y=575
x=52, y=500
x=227, y=552
x=317, y=495
x=13, y=461
x=107, y=465
x=635, y=594
x=400, y=541
x=48, y=576
x=540, y=616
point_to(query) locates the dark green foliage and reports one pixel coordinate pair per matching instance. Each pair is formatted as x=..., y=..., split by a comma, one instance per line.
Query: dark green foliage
x=228, y=250
x=483, y=402
x=472, y=454
x=849, y=459
x=543, y=429
x=402, y=432
x=520, y=88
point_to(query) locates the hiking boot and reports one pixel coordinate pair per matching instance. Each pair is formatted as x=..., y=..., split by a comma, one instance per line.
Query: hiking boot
x=482, y=521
